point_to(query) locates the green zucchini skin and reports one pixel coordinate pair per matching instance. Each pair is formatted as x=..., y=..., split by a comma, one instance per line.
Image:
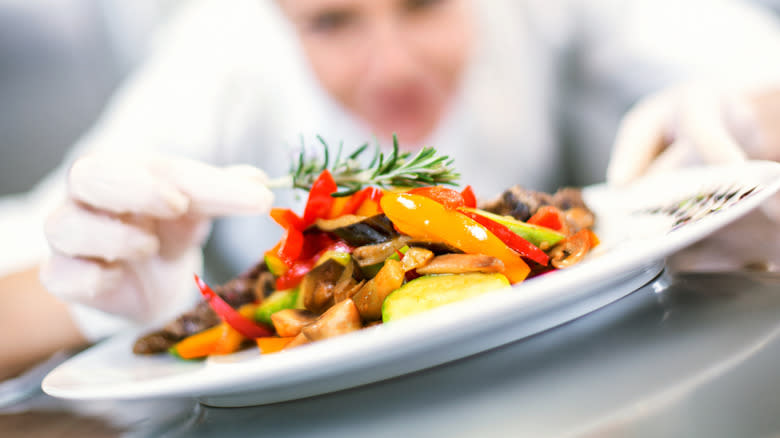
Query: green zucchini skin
x=431, y=291
x=539, y=236
x=279, y=300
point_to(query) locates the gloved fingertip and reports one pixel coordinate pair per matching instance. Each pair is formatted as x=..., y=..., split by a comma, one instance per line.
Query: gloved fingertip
x=124, y=185
x=173, y=203
x=250, y=173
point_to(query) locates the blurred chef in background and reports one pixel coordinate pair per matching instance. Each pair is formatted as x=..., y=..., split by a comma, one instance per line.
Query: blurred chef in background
x=529, y=92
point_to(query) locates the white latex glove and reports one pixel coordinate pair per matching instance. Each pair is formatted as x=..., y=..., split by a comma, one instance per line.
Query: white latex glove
x=689, y=125
x=128, y=238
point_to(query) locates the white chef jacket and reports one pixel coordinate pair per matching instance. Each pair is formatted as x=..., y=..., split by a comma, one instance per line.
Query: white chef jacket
x=538, y=104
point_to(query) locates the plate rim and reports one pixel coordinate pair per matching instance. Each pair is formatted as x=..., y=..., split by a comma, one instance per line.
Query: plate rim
x=533, y=296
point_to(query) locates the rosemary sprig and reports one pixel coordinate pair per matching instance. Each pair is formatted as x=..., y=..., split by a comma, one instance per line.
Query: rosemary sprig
x=396, y=169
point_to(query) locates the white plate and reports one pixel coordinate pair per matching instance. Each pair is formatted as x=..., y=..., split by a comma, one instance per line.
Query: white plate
x=635, y=236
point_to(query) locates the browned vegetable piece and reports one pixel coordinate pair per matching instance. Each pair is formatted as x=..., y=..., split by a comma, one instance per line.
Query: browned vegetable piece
x=578, y=218
x=341, y=318
x=264, y=286
x=437, y=248
x=301, y=339
x=317, y=286
x=517, y=202
x=348, y=292
x=570, y=250
x=522, y=203
x=155, y=342
x=359, y=231
x=244, y=289
x=339, y=222
x=345, y=282
x=568, y=197
x=289, y=322
x=372, y=254
x=370, y=297
x=461, y=264
x=415, y=258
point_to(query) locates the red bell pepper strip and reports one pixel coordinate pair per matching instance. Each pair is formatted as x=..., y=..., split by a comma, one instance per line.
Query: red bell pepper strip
x=512, y=240
x=291, y=246
x=231, y=316
x=286, y=218
x=469, y=198
x=320, y=200
x=547, y=216
x=449, y=198
x=293, y=276
x=317, y=245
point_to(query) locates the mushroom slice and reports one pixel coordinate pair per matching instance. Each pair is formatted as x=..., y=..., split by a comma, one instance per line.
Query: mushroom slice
x=570, y=250
x=317, y=286
x=340, y=319
x=461, y=264
x=578, y=218
x=415, y=258
x=372, y=254
x=370, y=297
x=346, y=283
x=301, y=339
x=289, y=322
x=339, y=222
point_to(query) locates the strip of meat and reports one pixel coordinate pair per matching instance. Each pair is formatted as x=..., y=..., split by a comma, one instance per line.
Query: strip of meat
x=522, y=203
x=248, y=287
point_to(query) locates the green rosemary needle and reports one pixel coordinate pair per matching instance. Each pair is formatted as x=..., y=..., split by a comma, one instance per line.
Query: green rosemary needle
x=396, y=169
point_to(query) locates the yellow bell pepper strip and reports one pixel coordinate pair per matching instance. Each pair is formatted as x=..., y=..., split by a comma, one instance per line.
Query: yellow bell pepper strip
x=275, y=264
x=594, y=239
x=199, y=345
x=220, y=339
x=273, y=344
x=231, y=316
x=366, y=199
x=230, y=342
x=424, y=218
x=369, y=207
x=231, y=339
x=339, y=206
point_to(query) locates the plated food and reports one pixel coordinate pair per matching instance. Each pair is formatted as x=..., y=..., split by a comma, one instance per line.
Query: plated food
x=636, y=230
x=375, y=254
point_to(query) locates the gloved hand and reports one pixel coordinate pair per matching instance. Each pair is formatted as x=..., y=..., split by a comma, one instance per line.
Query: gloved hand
x=694, y=124
x=128, y=238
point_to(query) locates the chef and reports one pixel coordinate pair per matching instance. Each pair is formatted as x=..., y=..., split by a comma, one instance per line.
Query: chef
x=517, y=92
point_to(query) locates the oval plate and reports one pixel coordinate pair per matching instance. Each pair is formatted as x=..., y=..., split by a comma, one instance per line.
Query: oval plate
x=638, y=226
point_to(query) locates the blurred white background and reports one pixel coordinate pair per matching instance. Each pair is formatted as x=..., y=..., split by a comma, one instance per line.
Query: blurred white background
x=59, y=62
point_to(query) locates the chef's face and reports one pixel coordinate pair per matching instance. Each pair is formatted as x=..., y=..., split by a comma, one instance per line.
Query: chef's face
x=393, y=63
